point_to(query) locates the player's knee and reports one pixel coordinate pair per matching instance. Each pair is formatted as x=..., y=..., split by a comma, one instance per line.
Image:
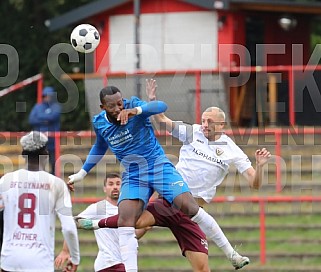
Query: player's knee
x=129, y=212
x=139, y=224
x=127, y=219
x=124, y=221
x=187, y=204
x=202, y=268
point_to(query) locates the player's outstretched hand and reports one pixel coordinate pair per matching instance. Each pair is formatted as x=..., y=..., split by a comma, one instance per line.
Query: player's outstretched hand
x=262, y=156
x=151, y=87
x=79, y=176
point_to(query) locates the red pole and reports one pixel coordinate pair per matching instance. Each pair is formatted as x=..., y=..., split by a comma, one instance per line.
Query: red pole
x=105, y=81
x=198, y=97
x=278, y=139
x=57, y=154
x=39, y=89
x=262, y=232
x=291, y=98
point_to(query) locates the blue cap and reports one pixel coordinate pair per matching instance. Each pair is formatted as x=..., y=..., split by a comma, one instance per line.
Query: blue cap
x=48, y=91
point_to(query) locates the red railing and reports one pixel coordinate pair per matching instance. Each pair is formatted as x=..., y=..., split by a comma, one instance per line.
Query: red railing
x=37, y=78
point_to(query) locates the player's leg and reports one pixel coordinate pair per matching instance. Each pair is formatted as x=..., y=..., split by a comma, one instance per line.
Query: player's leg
x=131, y=202
x=188, y=234
x=129, y=211
x=145, y=220
x=176, y=191
x=198, y=261
x=212, y=230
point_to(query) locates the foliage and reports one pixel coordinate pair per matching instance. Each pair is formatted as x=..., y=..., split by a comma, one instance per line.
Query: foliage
x=316, y=37
x=23, y=28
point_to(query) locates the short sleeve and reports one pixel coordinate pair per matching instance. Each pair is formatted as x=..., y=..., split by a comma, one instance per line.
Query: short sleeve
x=240, y=160
x=183, y=132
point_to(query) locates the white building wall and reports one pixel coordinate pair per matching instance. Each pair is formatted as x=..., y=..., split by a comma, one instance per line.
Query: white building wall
x=169, y=41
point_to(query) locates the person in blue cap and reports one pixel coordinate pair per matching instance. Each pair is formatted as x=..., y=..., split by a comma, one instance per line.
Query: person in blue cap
x=45, y=117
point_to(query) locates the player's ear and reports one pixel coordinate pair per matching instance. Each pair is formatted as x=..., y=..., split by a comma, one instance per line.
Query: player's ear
x=102, y=107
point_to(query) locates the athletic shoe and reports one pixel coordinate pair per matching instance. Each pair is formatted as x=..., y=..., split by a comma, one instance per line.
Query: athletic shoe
x=238, y=261
x=87, y=224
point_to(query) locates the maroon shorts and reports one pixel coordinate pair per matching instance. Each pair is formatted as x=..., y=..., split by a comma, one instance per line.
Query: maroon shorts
x=114, y=268
x=187, y=233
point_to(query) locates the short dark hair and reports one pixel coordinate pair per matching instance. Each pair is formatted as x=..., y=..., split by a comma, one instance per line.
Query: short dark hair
x=35, y=154
x=109, y=90
x=111, y=175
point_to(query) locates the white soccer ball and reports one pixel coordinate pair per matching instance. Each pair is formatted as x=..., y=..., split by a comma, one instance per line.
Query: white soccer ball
x=85, y=38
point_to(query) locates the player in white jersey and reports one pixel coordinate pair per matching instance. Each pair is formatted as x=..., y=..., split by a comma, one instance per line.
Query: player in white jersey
x=205, y=158
x=31, y=199
x=208, y=162
x=109, y=256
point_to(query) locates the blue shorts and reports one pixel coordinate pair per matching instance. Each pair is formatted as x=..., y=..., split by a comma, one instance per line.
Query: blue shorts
x=163, y=179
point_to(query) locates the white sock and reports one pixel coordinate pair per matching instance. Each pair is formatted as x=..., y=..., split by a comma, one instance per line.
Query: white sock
x=128, y=248
x=213, y=231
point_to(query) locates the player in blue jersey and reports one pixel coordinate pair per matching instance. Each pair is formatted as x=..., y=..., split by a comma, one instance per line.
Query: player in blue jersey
x=124, y=127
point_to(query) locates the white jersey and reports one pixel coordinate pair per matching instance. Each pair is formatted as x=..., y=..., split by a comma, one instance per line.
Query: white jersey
x=31, y=201
x=204, y=164
x=107, y=239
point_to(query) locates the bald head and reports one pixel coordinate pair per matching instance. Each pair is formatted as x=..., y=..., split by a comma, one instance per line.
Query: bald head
x=217, y=112
x=213, y=121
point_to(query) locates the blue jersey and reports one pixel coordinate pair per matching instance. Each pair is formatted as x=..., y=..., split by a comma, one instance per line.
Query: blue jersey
x=146, y=167
x=132, y=142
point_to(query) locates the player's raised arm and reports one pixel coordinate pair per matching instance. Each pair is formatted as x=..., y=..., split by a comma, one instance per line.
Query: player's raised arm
x=160, y=118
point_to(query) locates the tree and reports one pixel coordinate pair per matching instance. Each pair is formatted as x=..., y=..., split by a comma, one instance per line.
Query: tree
x=23, y=29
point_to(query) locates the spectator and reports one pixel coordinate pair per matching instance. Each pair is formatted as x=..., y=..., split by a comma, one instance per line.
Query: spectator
x=45, y=117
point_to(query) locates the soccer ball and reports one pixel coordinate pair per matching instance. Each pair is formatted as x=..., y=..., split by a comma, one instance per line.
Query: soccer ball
x=85, y=38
